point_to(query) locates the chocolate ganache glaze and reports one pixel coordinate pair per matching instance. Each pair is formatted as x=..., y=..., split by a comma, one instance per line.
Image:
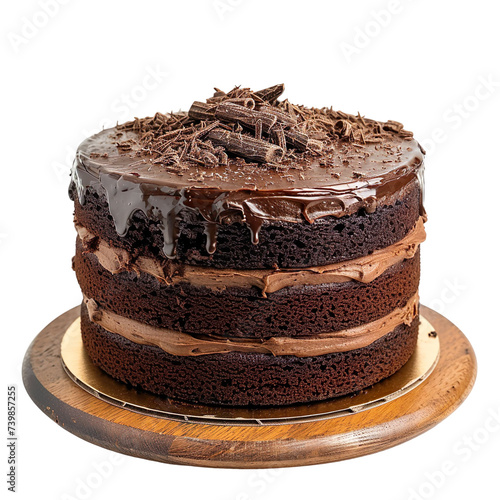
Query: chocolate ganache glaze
x=315, y=163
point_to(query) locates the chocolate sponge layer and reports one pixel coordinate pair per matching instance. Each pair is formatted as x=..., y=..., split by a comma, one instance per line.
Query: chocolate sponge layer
x=284, y=244
x=242, y=379
x=244, y=312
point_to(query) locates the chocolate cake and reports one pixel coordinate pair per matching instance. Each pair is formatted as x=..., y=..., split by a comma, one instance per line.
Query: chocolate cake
x=250, y=251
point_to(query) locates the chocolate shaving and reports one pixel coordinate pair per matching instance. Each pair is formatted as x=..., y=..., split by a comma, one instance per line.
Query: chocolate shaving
x=343, y=128
x=254, y=126
x=258, y=129
x=201, y=111
x=279, y=136
x=316, y=146
x=283, y=118
x=272, y=93
x=247, y=147
x=246, y=102
x=209, y=159
x=393, y=126
x=233, y=113
x=297, y=139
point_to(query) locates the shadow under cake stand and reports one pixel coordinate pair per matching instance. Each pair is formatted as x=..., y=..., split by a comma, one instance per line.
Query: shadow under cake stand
x=86, y=402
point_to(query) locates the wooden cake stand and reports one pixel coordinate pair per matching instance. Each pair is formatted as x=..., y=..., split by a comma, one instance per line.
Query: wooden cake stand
x=235, y=444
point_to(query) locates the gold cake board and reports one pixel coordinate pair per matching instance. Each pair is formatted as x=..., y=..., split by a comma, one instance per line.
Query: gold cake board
x=89, y=404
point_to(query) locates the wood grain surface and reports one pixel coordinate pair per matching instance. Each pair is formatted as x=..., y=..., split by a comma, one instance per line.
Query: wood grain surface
x=233, y=446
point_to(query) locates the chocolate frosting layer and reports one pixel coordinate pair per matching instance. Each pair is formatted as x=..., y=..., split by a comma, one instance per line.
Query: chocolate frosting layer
x=350, y=177
x=184, y=344
x=364, y=269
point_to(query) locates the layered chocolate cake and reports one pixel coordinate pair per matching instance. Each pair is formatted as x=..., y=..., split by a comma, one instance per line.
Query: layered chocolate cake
x=250, y=251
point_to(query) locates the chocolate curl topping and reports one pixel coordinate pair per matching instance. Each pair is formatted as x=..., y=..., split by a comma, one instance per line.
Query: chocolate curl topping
x=255, y=126
x=233, y=113
x=343, y=128
x=247, y=102
x=296, y=139
x=201, y=111
x=264, y=119
x=283, y=118
x=272, y=93
x=246, y=146
x=279, y=136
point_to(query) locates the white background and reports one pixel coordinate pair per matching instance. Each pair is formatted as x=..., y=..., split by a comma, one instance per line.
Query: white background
x=84, y=65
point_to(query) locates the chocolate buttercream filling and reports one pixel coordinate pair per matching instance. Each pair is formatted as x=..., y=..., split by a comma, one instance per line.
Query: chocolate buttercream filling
x=363, y=269
x=184, y=344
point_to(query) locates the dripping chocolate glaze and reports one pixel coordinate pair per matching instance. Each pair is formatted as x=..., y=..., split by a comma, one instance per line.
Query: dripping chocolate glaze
x=357, y=176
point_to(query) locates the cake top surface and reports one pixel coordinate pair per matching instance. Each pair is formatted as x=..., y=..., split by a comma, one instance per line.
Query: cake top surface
x=250, y=140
